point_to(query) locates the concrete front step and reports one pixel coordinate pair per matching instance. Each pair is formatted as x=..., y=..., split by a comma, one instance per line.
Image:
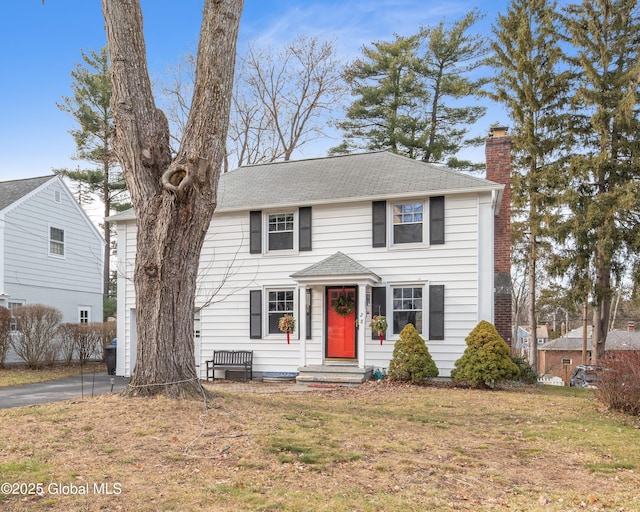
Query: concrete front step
x=345, y=375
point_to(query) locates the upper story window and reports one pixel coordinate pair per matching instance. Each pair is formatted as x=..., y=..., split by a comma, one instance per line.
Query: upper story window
x=57, y=197
x=407, y=223
x=411, y=222
x=56, y=241
x=280, y=231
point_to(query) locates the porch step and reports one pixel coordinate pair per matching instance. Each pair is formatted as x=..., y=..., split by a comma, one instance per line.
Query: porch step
x=342, y=375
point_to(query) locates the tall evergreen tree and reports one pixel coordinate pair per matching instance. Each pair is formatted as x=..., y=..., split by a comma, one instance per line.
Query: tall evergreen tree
x=603, y=197
x=451, y=55
x=533, y=89
x=408, y=93
x=388, y=110
x=90, y=106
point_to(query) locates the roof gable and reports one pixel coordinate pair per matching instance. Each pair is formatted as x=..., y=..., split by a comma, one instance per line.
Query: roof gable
x=14, y=190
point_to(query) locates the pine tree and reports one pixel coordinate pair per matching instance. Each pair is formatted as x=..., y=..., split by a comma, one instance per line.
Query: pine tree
x=533, y=89
x=410, y=93
x=450, y=56
x=90, y=107
x=603, y=193
x=387, y=113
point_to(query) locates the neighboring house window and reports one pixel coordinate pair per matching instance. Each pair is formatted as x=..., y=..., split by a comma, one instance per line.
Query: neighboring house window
x=407, y=308
x=407, y=223
x=12, y=305
x=280, y=303
x=56, y=241
x=84, y=315
x=280, y=231
x=57, y=197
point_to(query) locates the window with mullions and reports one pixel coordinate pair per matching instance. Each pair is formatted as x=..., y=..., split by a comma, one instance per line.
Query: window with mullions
x=280, y=231
x=56, y=241
x=280, y=304
x=407, y=308
x=407, y=223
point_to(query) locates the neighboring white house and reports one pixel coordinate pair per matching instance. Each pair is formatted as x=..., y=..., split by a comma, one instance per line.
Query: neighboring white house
x=50, y=251
x=381, y=233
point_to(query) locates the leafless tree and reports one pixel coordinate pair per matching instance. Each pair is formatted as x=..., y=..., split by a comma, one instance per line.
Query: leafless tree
x=281, y=99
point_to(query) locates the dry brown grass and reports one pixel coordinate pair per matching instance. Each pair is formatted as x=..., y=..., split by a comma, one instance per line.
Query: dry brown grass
x=379, y=447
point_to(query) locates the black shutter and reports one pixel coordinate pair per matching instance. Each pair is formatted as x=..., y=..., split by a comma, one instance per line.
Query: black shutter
x=436, y=220
x=255, y=232
x=255, y=314
x=378, y=305
x=436, y=312
x=308, y=296
x=304, y=226
x=379, y=227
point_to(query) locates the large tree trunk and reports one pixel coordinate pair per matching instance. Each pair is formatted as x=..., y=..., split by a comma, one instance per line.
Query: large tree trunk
x=174, y=200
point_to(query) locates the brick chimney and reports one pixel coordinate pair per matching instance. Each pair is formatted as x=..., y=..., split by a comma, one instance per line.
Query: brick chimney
x=498, y=160
x=631, y=326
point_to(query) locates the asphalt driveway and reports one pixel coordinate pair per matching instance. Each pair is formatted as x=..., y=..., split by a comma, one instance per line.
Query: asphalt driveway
x=64, y=389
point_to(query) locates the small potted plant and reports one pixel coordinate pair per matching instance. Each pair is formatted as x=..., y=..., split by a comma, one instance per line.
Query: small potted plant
x=287, y=324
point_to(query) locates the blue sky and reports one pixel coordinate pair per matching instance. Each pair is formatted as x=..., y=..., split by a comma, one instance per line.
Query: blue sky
x=41, y=44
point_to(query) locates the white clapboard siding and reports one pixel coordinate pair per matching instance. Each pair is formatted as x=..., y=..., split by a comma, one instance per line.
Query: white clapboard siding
x=228, y=272
x=31, y=274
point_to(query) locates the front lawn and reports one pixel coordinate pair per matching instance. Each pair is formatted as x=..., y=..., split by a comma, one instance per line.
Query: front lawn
x=378, y=447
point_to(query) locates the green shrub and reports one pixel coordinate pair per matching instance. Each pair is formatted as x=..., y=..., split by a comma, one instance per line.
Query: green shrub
x=411, y=359
x=526, y=375
x=486, y=360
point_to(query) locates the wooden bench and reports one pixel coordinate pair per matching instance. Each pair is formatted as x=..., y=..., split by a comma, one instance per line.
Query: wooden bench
x=231, y=360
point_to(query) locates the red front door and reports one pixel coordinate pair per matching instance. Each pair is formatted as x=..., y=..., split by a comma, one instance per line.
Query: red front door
x=341, y=325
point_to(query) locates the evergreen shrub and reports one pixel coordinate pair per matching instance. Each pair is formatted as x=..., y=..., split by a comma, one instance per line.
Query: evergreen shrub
x=486, y=361
x=411, y=358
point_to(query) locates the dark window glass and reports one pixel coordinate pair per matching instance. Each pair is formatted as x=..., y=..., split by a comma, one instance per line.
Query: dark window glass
x=407, y=308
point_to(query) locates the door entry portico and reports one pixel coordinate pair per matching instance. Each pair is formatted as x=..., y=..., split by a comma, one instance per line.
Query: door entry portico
x=341, y=324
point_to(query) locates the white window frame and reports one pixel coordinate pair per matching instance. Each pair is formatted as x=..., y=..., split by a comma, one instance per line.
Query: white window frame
x=266, y=311
x=391, y=223
x=57, y=196
x=422, y=328
x=61, y=242
x=11, y=304
x=294, y=247
x=82, y=312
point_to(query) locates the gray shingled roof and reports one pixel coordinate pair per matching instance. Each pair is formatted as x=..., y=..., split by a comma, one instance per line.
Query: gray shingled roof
x=360, y=176
x=338, y=264
x=341, y=178
x=616, y=340
x=11, y=191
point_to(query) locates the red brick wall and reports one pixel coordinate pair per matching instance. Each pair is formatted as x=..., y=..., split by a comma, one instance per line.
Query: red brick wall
x=498, y=160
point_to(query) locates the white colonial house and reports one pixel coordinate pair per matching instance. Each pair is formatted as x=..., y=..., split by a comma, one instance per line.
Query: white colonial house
x=333, y=242
x=50, y=251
